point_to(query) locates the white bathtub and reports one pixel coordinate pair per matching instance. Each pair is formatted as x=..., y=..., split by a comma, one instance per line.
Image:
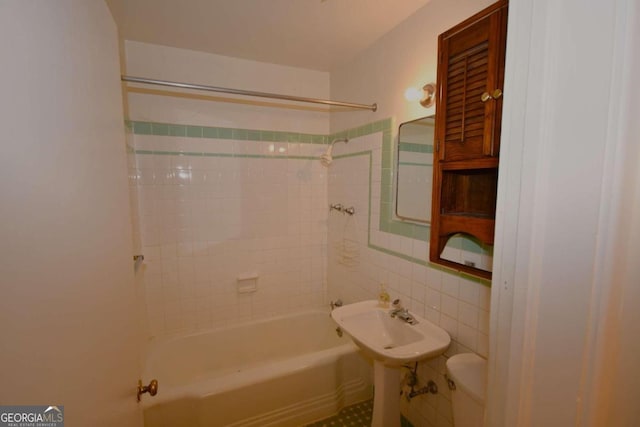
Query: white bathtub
x=285, y=371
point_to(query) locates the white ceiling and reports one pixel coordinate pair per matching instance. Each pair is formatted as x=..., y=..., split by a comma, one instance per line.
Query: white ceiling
x=314, y=34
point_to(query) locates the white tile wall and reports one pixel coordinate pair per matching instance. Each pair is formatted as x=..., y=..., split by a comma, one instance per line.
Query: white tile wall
x=457, y=304
x=205, y=220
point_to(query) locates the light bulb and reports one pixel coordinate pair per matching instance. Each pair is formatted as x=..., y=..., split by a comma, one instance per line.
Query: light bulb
x=413, y=94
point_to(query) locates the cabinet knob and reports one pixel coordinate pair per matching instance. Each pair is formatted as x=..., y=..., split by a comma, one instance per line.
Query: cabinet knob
x=152, y=388
x=494, y=95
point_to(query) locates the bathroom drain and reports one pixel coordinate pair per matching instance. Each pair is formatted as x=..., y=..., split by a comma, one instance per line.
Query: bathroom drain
x=388, y=347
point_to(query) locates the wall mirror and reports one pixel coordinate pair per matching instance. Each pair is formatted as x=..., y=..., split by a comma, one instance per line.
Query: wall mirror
x=414, y=181
x=414, y=170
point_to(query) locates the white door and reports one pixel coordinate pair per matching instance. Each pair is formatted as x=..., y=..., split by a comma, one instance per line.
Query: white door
x=68, y=329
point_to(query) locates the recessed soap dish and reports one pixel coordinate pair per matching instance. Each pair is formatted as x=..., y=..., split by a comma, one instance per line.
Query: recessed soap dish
x=247, y=283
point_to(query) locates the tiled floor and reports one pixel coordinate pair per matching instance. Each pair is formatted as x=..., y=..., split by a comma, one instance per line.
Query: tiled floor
x=357, y=415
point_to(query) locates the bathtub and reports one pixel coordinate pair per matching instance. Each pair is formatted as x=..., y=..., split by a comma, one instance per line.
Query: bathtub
x=285, y=371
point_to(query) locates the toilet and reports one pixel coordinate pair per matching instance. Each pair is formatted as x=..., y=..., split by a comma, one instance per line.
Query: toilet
x=468, y=372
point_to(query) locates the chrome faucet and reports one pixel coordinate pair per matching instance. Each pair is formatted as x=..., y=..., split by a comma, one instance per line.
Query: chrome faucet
x=402, y=313
x=397, y=308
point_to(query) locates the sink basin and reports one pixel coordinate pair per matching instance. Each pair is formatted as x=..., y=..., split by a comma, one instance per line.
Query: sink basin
x=390, y=340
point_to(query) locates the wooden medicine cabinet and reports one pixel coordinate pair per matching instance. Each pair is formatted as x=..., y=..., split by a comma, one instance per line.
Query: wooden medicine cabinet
x=471, y=59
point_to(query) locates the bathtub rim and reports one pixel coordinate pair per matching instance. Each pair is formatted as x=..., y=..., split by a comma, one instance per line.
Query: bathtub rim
x=155, y=341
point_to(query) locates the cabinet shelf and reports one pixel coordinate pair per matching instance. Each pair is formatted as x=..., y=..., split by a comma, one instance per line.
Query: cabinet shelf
x=483, y=163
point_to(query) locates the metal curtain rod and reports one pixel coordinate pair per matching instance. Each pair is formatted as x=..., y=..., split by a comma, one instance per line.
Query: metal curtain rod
x=372, y=107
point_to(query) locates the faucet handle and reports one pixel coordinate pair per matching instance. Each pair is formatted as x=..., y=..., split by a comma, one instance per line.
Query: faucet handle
x=396, y=303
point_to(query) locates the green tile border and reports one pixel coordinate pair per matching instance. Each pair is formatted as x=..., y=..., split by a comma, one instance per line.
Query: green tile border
x=209, y=132
x=356, y=154
x=387, y=222
x=235, y=155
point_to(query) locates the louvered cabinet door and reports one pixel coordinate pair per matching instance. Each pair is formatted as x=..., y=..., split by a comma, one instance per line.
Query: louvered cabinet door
x=470, y=76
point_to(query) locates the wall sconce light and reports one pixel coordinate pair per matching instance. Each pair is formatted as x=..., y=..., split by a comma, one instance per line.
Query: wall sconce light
x=426, y=96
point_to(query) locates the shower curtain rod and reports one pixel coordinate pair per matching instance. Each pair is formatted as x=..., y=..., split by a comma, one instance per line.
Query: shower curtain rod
x=372, y=107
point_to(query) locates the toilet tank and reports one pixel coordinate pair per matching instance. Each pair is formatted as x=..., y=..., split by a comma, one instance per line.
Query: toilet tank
x=469, y=373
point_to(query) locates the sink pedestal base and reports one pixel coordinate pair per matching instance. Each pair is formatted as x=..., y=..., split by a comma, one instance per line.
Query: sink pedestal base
x=386, y=400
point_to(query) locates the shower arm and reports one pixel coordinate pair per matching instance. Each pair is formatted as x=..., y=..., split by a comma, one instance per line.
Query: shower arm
x=330, y=148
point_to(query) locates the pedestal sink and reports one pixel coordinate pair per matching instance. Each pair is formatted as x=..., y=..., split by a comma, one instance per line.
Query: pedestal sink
x=391, y=342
